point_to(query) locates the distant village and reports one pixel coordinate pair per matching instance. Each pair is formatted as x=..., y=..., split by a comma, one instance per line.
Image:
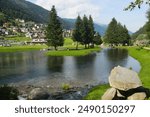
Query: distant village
x=36, y=32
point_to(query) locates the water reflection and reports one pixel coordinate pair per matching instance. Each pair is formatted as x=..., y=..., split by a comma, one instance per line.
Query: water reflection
x=36, y=69
x=55, y=64
x=116, y=54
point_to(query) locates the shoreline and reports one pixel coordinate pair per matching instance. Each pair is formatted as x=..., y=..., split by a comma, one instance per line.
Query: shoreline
x=73, y=93
x=73, y=52
x=98, y=91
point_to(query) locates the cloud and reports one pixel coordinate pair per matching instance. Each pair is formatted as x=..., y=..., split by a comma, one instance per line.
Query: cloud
x=71, y=8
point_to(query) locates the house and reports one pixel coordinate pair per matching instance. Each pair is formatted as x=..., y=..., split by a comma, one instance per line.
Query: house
x=38, y=41
x=67, y=33
x=28, y=34
x=3, y=31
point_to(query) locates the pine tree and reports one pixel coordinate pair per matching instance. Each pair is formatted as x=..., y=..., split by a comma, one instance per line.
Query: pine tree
x=77, y=34
x=97, y=39
x=121, y=35
x=117, y=34
x=54, y=30
x=126, y=36
x=2, y=18
x=91, y=29
x=85, y=31
x=148, y=24
x=111, y=32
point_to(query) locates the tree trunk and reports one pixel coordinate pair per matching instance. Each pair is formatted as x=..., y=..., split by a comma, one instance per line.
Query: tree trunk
x=85, y=46
x=77, y=46
x=88, y=45
x=55, y=48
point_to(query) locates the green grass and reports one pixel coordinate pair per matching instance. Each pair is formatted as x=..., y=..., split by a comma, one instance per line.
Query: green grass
x=97, y=92
x=22, y=48
x=80, y=52
x=18, y=39
x=69, y=49
x=143, y=56
x=68, y=41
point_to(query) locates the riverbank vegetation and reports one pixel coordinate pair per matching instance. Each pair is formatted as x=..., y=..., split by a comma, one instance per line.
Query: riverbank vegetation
x=22, y=48
x=73, y=52
x=8, y=93
x=97, y=92
x=143, y=56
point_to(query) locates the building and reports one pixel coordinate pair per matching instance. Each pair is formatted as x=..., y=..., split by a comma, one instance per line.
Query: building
x=67, y=33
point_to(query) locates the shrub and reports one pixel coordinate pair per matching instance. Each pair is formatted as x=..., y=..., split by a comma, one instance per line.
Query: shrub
x=66, y=86
x=8, y=93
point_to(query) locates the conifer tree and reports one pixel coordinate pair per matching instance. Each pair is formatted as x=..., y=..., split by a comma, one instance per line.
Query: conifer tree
x=111, y=32
x=126, y=36
x=117, y=34
x=77, y=33
x=148, y=24
x=91, y=29
x=97, y=39
x=54, y=30
x=85, y=31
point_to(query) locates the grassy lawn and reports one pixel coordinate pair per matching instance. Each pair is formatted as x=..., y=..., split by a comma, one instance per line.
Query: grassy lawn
x=22, y=48
x=72, y=52
x=143, y=56
x=69, y=49
x=68, y=41
x=97, y=92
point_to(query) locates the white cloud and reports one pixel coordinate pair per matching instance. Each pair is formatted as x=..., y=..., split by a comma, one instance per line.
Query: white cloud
x=71, y=8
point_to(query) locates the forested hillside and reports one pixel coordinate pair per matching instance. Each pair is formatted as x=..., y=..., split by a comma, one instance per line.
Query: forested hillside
x=30, y=12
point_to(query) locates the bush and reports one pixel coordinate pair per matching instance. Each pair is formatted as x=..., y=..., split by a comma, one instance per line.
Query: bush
x=8, y=93
x=66, y=86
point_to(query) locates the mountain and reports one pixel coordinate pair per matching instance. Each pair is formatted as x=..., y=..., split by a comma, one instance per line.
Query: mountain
x=28, y=11
x=142, y=30
x=101, y=28
x=24, y=10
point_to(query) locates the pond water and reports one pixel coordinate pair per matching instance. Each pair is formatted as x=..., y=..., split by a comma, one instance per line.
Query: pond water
x=34, y=68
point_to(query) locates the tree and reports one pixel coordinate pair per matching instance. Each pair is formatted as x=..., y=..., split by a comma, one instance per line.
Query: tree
x=111, y=32
x=117, y=34
x=148, y=24
x=85, y=31
x=137, y=3
x=123, y=35
x=77, y=33
x=97, y=39
x=127, y=37
x=54, y=30
x=2, y=18
x=91, y=30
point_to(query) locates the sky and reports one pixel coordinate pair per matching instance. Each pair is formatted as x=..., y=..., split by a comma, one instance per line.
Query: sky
x=102, y=11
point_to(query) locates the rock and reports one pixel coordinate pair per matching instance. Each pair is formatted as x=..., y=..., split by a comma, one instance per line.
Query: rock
x=38, y=94
x=124, y=79
x=21, y=98
x=137, y=96
x=120, y=96
x=109, y=94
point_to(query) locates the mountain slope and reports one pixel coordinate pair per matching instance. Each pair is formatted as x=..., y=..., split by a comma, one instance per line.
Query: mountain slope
x=30, y=12
x=24, y=10
x=142, y=30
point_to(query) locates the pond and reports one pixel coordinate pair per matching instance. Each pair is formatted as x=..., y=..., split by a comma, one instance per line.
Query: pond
x=34, y=68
